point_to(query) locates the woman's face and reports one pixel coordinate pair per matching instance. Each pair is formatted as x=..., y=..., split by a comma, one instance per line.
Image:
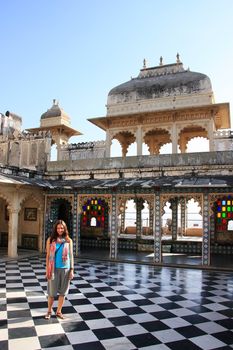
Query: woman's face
x=60, y=229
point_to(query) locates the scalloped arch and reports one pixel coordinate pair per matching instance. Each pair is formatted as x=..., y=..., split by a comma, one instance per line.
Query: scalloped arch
x=6, y=199
x=31, y=196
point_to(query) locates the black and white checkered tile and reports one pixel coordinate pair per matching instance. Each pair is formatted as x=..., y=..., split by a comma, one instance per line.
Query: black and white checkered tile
x=117, y=306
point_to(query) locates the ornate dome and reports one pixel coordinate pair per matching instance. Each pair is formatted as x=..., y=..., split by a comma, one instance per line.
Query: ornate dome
x=55, y=111
x=54, y=116
x=164, y=82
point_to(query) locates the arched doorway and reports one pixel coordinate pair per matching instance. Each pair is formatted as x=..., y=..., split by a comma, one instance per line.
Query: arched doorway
x=4, y=219
x=94, y=227
x=221, y=231
x=94, y=218
x=60, y=209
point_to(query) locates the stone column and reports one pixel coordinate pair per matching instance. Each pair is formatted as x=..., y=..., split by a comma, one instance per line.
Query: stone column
x=139, y=140
x=211, y=137
x=41, y=230
x=206, y=232
x=13, y=229
x=183, y=216
x=113, y=223
x=151, y=210
x=122, y=221
x=157, y=230
x=76, y=231
x=108, y=144
x=58, y=151
x=174, y=207
x=139, y=207
x=174, y=138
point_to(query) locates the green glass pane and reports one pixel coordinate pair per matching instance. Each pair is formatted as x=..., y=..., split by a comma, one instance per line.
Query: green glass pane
x=219, y=221
x=223, y=215
x=228, y=208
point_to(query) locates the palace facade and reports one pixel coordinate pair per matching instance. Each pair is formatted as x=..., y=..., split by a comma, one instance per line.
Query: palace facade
x=133, y=206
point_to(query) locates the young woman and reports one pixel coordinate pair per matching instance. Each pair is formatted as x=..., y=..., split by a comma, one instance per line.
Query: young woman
x=59, y=266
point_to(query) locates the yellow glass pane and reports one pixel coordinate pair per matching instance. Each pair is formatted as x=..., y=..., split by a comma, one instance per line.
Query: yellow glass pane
x=223, y=208
x=219, y=215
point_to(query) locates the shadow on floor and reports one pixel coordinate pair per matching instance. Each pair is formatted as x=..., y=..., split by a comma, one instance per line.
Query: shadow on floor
x=22, y=253
x=169, y=259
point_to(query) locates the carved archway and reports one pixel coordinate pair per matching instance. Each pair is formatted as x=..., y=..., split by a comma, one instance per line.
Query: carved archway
x=59, y=207
x=125, y=138
x=155, y=139
x=189, y=132
x=6, y=205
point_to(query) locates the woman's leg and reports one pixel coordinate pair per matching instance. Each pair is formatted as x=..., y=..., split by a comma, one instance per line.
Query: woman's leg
x=61, y=300
x=50, y=303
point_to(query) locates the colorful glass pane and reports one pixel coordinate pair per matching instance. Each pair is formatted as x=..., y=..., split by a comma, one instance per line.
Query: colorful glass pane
x=223, y=215
x=223, y=202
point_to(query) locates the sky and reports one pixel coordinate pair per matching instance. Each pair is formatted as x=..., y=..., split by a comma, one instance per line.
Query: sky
x=76, y=51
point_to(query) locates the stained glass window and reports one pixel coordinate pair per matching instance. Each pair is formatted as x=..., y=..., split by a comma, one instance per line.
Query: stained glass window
x=224, y=213
x=95, y=210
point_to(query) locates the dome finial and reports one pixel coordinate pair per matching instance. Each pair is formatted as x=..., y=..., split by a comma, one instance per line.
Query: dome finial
x=161, y=61
x=144, y=63
x=55, y=102
x=177, y=58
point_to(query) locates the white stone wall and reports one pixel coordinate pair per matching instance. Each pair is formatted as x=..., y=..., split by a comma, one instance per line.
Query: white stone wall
x=223, y=140
x=119, y=108
x=84, y=150
x=26, y=150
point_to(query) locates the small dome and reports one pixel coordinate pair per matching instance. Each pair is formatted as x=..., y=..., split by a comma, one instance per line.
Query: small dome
x=55, y=111
x=160, y=82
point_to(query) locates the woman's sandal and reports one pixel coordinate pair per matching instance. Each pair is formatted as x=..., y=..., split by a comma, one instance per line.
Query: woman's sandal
x=60, y=315
x=48, y=315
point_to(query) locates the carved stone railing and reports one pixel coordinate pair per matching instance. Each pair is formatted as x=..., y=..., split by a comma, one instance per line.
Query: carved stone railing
x=83, y=150
x=226, y=133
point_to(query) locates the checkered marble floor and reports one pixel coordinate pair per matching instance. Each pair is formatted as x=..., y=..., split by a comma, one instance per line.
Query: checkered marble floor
x=117, y=306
